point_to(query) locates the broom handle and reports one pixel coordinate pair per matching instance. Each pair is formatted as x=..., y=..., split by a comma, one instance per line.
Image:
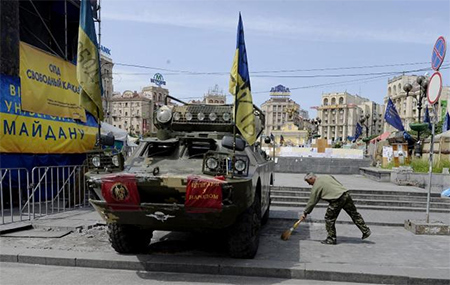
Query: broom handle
x=297, y=223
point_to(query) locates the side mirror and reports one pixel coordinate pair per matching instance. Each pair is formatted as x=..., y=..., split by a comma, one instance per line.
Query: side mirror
x=267, y=140
x=227, y=142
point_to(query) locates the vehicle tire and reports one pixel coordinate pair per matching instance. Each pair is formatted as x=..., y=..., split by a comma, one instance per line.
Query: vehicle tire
x=128, y=238
x=243, y=236
x=266, y=215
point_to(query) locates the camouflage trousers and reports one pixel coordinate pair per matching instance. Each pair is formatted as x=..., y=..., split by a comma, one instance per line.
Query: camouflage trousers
x=334, y=208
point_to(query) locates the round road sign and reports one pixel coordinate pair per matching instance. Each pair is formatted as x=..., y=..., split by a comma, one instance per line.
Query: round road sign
x=438, y=55
x=434, y=88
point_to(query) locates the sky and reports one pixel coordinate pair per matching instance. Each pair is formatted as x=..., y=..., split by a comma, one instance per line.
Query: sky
x=311, y=47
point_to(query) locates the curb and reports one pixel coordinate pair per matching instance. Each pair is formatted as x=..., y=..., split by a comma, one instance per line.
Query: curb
x=222, y=266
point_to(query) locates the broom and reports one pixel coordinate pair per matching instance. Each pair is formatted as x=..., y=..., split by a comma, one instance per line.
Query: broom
x=287, y=234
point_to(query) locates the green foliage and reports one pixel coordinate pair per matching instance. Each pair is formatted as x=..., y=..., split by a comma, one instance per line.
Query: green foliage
x=421, y=165
x=438, y=127
x=390, y=165
x=337, y=145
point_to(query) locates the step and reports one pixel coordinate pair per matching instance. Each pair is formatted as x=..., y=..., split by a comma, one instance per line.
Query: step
x=368, y=207
x=377, y=196
x=358, y=191
x=399, y=203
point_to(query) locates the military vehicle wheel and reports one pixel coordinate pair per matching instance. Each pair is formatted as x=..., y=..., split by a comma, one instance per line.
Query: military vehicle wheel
x=128, y=238
x=266, y=215
x=243, y=236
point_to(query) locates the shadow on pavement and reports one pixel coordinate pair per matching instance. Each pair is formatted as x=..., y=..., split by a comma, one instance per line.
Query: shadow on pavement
x=353, y=240
x=188, y=252
x=188, y=244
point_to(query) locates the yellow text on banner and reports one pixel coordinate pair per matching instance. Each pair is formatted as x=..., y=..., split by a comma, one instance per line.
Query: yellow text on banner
x=21, y=134
x=49, y=84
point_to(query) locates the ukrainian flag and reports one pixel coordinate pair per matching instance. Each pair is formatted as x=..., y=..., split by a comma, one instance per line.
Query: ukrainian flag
x=88, y=63
x=244, y=117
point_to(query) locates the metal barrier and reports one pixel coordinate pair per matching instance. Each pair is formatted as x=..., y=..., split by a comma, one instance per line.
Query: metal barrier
x=12, y=183
x=53, y=189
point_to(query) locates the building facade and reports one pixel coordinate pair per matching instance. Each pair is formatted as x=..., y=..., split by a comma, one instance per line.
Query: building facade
x=156, y=94
x=106, y=70
x=407, y=106
x=132, y=112
x=213, y=96
x=340, y=112
x=278, y=109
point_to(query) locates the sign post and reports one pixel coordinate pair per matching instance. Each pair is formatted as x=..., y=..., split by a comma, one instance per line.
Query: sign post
x=433, y=94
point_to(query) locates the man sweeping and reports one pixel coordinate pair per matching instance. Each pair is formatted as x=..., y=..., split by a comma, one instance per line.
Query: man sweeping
x=326, y=187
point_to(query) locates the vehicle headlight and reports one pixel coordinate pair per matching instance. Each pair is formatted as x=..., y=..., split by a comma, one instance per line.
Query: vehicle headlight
x=176, y=116
x=164, y=114
x=200, y=116
x=226, y=117
x=188, y=116
x=96, y=161
x=240, y=165
x=115, y=161
x=212, y=163
x=212, y=116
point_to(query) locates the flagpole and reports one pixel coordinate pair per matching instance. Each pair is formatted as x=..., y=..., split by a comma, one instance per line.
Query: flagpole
x=100, y=70
x=235, y=114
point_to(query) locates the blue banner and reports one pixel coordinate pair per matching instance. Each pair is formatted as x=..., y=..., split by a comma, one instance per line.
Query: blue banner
x=426, y=118
x=391, y=116
x=446, y=124
x=358, y=131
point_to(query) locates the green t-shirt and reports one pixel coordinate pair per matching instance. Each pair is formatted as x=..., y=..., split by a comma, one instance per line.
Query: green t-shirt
x=325, y=187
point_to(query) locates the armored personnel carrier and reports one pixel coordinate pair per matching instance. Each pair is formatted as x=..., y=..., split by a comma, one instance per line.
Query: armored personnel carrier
x=196, y=175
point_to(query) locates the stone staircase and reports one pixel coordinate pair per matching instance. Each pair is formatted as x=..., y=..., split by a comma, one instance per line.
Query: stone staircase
x=366, y=199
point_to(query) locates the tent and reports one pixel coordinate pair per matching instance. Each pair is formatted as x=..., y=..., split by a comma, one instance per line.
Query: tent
x=120, y=136
x=381, y=137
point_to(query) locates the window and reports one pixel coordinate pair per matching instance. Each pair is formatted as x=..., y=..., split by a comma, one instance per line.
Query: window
x=158, y=149
x=197, y=147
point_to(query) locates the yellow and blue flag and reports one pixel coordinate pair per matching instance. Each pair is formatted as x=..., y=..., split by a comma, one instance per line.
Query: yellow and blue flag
x=88, y=63
x=244, y=117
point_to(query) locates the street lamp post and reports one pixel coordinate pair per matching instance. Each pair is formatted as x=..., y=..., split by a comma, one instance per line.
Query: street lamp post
x=314, y=131
x=365, y=122
x=423, y=84
x=316, y=122
x=374, y=125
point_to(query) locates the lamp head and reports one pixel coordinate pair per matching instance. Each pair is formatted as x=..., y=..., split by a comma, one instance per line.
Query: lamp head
x=407, y=87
